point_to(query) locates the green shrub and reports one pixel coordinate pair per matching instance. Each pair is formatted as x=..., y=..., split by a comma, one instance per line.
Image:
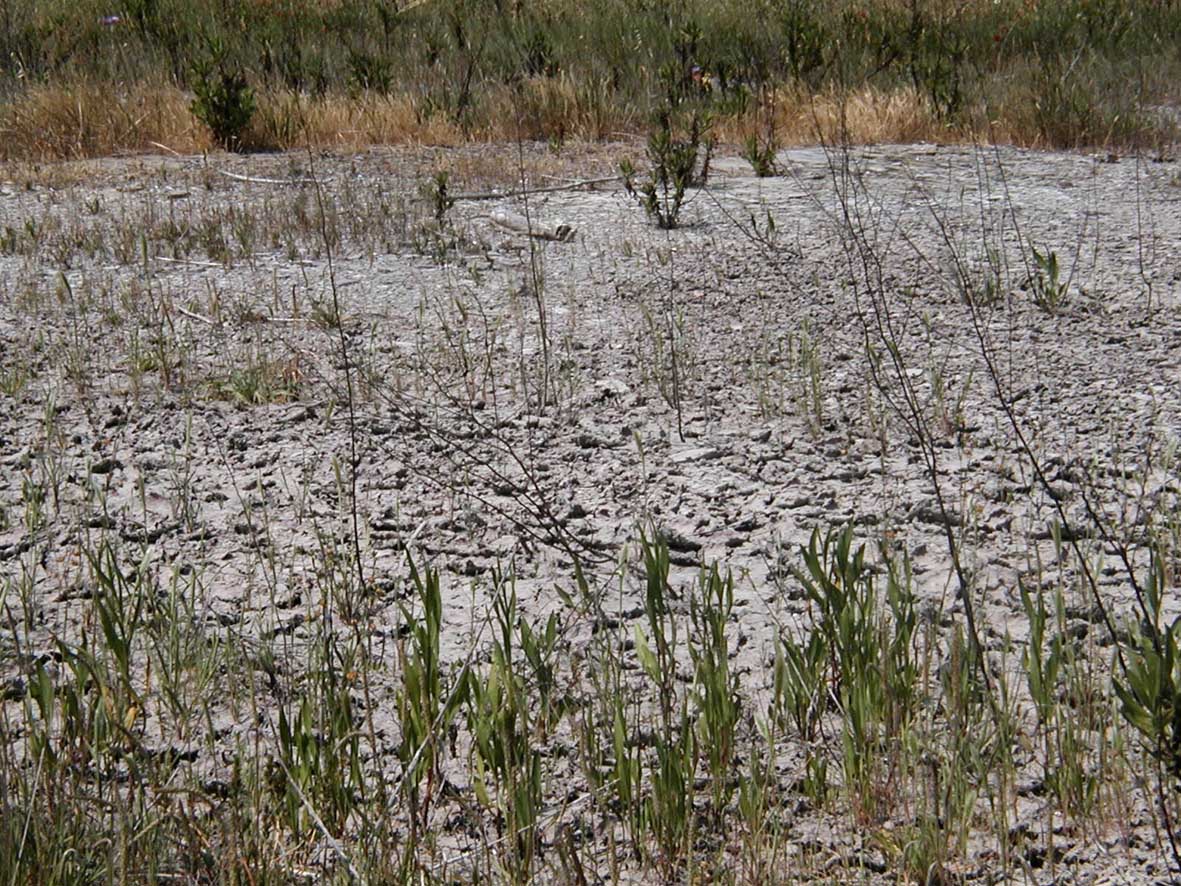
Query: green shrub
x=224, y=102
x=678, y=161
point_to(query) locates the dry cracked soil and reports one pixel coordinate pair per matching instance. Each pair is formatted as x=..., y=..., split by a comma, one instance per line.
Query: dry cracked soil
x=949, y=348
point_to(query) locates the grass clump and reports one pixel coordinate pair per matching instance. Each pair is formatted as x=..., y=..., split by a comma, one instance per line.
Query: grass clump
x=680, y=144
x=760, y=154
x=1150, y=691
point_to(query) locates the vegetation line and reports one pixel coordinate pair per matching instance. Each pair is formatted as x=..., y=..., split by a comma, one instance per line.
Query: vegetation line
x=76, y=81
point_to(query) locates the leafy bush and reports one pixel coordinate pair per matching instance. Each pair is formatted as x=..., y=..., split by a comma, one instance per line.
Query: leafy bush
x=224, y=102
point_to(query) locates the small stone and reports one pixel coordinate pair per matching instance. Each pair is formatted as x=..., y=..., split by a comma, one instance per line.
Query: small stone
x=1060, y=491
x=930, y=513
x=680, y=543
x=612, y=387
x=747, y=524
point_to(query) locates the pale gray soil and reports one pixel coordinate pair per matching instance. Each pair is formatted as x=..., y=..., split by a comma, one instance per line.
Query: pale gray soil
x=781, y=428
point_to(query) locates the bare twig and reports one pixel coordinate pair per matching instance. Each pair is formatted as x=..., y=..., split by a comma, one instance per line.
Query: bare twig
x=162, y=147
x=346, y=359
x=1005, y=401
x=879, y=322
x=194, y=315
x=190, y=262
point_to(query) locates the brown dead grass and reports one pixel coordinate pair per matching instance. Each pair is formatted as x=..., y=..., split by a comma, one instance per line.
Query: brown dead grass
x=85, y=120
x=286, y=120
x=539, y=109
x=867, y=116
x=94, y=120
x=90, y=120
x=560, y=107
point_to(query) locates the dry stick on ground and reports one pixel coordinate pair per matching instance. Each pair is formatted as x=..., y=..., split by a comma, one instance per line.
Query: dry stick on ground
x=561, y=233
x=163, y=147
x=190, y=262
x=193, y=315
x=256, y=180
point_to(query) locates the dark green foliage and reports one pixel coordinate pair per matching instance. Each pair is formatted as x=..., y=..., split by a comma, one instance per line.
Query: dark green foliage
x=370, y=71
x=805, y=37
x=1150, y=690
x=224, y=102
x=537, y=51
x=937, y=59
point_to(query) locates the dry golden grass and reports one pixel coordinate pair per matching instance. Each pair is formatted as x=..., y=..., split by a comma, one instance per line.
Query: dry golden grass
x=538, y=109
x=867, y=116
x=285, y=120
x=86, y=119
x=545, y=108
x=864, y=117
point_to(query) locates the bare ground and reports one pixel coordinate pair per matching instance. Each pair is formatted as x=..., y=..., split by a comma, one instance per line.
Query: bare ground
x=174, y=382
